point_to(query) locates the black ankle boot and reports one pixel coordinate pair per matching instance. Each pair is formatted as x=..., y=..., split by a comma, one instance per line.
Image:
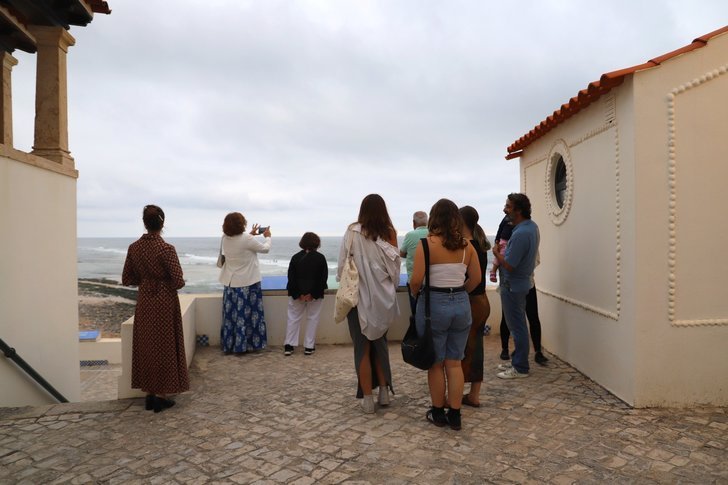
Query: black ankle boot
x=436, y=416
x=453, y=417
x=149, y=402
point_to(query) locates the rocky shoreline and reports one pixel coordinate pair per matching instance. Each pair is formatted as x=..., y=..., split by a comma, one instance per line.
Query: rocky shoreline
x=104, y=305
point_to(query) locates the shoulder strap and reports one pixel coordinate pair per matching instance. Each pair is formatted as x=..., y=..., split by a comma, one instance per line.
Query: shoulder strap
x=426, y=250
x=349, y=238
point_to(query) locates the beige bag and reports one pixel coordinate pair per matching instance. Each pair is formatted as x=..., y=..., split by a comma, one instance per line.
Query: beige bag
x=347, y=296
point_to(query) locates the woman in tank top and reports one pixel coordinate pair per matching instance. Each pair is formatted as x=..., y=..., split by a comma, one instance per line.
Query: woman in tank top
x=454, y=272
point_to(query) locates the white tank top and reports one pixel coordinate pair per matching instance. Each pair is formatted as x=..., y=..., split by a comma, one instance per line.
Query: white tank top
x=448, y=275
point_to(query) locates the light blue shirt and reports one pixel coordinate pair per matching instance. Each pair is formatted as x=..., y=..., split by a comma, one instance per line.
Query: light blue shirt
x=409, y=245
x=521, y=254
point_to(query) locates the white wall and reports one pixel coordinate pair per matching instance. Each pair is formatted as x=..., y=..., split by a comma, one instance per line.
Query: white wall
x=681, y=169
x=584, y=301
x=632, y=279
x=38, y=287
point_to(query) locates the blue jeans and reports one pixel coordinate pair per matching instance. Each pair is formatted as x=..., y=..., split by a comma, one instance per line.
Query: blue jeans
x=451, y=320
x=514, y=309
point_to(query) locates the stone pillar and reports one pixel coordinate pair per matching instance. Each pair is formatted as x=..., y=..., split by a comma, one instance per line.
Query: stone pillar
x=6, y=100
x=51, y=94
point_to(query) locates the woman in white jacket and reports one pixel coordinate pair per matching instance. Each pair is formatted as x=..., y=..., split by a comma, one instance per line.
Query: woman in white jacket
x=373, y=242
x=243, y=322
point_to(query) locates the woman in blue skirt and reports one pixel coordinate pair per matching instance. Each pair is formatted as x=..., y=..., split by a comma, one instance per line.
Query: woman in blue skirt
x=243, y=322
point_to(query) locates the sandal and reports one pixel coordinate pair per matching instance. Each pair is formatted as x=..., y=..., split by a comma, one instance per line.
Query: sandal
x=438, y=419
x=468, y=402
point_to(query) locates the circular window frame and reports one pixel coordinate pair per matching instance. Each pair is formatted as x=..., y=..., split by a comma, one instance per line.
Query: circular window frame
x=559, y=152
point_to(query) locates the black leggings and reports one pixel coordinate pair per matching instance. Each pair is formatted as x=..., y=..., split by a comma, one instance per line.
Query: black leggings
x=534, y=324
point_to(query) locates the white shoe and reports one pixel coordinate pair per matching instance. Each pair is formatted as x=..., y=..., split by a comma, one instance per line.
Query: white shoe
x=367, y=404
x=383, y=396
x=505, y=366
x=511, y=374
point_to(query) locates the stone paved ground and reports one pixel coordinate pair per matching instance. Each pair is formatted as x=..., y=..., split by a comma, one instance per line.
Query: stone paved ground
x=264, y=418
x=100, y=382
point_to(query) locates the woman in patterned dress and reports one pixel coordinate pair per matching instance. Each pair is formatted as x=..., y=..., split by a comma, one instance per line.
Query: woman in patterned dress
x=243, y=322
x=158, y=364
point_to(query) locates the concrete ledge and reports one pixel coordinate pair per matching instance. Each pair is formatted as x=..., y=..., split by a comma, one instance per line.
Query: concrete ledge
x=108, y=349
x=202, y=315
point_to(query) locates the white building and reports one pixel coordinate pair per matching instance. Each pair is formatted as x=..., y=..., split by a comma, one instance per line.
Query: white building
x=627, y=182
x=38, y=287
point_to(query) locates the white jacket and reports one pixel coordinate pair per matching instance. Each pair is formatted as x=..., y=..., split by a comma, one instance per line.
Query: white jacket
x=241, y=259
x=378, y=263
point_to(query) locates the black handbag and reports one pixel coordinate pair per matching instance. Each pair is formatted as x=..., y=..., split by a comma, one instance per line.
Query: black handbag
x=418, y=350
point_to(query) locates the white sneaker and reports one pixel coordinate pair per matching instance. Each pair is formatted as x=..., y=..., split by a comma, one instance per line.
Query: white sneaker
x=383, y=396
x=367, y=404
x=511, y=374
x=505, y=366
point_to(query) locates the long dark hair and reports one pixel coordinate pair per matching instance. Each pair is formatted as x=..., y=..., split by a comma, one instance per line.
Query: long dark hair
x=470, y=219
x=446, y=222
x=374, y=218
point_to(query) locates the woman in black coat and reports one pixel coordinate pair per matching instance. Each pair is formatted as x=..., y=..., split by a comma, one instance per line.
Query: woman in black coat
x=307, y=275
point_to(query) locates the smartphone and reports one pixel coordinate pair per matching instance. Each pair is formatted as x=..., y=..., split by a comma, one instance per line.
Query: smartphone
x=262, y=229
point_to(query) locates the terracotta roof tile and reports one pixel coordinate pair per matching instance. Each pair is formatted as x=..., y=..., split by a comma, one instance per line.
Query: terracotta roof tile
x=99, y=6
x=595, y=90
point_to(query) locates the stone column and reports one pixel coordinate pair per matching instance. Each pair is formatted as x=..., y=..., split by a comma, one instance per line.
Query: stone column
x=51, y=94
x=6, y=100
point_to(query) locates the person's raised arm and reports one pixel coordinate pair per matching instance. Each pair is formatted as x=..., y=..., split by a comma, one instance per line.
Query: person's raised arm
x=262, y=247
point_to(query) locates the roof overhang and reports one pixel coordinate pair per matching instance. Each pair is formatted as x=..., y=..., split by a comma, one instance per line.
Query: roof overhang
x=597, y=89
x=17, y=15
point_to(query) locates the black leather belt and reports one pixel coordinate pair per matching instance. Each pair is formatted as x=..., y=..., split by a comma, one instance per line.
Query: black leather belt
x=447, y=290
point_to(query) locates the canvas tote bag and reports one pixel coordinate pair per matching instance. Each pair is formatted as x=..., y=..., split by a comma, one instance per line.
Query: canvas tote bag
x=347, y=296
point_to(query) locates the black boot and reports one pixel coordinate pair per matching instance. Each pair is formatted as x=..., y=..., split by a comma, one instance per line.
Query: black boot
x=453, y=417
x=149, y=402
x=436, y=416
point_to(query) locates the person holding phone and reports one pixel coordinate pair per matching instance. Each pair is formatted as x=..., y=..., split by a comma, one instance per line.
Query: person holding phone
x=243, y=322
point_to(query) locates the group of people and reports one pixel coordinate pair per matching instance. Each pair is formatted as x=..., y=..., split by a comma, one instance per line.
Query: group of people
x=457, y=248
x=457, y=258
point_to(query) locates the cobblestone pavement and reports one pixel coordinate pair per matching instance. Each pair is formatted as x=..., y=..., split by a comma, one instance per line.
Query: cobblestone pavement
x=100, y=382
x=266, y=418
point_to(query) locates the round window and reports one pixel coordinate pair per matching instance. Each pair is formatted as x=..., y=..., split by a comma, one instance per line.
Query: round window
x=559, y=183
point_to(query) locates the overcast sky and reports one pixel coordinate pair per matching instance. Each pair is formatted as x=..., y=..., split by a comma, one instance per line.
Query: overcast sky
x=292, y=111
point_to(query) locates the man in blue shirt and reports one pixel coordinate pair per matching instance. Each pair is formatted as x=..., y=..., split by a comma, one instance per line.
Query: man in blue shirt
x=409, y=245
x=516, y=267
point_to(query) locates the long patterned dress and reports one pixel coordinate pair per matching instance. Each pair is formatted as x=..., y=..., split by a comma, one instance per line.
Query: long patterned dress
x=158, y=364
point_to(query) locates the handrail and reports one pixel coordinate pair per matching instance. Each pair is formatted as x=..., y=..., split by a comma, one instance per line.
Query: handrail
x=11, y=354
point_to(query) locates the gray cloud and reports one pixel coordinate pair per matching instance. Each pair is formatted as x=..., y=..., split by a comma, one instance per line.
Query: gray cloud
x=292, y=111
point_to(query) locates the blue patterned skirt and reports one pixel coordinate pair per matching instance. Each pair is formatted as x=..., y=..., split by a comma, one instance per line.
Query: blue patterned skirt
x=243, y=323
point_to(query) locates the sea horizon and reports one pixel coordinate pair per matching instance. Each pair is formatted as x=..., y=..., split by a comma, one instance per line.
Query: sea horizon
x=103, y=258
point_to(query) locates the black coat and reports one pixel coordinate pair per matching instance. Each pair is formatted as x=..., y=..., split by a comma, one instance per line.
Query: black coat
x=307, y=274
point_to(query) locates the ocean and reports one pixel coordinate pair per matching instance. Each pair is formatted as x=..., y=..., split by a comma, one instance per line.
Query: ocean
x=103, y=257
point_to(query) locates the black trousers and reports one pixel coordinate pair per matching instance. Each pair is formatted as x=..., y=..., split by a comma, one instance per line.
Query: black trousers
x=534, y=324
